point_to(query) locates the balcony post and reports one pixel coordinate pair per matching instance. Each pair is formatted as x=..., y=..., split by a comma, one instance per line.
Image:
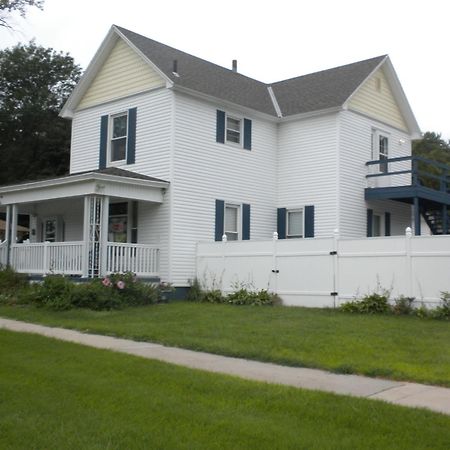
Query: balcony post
x=8, y=234
x=416, y=216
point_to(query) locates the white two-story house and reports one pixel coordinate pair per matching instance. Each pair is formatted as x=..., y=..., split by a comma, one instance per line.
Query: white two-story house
x=169, y=150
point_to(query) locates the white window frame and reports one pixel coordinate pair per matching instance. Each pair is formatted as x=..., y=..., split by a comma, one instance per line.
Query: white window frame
x=238, y=232
x=295, y=210
x=111, y=138
x=241, y=133
x=377, y=154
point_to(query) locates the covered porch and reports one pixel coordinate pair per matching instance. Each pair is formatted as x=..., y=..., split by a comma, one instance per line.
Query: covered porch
x=83, y=225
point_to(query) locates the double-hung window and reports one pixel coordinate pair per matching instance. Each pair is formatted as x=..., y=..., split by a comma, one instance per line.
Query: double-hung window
x=233, y=130
x=380, y=149
x=231, y=223
x=119, y=135
x=294, y=223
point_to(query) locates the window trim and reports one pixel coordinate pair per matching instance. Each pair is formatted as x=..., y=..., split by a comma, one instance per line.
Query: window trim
x=239, y=144
x=238, y=231
x=110, y=137
x=377, y=155
x=295, y=210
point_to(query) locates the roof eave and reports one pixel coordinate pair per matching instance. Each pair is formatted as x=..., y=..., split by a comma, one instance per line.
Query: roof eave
x=95, y=65
x=398, y=93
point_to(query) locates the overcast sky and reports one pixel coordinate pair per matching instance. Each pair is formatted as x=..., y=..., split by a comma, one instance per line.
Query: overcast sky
x=272, y=40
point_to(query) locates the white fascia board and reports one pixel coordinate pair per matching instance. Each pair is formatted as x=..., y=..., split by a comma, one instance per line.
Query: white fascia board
x=398, y=93
x=152, y=65
x=89, y=74
x=75, y=185
x=307, y=115
x=94, y=67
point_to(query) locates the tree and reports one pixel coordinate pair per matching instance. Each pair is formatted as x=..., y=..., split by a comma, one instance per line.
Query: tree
x=434, y=148
x=8, y=6
x=34, y=84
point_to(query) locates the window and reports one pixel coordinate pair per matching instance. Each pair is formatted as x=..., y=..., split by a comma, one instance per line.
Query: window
x=233, y=130
x=294, y=223
x=376, y=225
x=231, y=225
x=380, y=149
x=118, y=222
x=119, y=126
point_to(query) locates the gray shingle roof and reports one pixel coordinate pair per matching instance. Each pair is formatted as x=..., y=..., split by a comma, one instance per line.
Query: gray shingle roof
x=308, y=93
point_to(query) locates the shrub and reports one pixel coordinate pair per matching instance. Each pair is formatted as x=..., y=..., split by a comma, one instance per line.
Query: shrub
x=212, y=296
x=10, y=280
x=54, y=292
x=375, y=303
x=245, y=297
x=403, y=305
x=94, y=295
x=443, y=311
x=195, y=292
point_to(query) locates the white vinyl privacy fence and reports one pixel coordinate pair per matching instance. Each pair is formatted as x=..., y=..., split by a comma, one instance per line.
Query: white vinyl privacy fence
x=329, y=271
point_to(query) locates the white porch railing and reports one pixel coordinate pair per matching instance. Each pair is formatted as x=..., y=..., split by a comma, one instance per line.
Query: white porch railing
x=3, y=252
x=68, y=258
x=48, y=257
x=136, y=258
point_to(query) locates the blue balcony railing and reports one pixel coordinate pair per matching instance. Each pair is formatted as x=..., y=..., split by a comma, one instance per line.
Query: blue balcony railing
x=422, y=172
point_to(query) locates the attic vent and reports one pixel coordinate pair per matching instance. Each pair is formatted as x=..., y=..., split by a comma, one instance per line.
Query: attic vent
x=234, y=65
x=175, y=68
x=378, y=84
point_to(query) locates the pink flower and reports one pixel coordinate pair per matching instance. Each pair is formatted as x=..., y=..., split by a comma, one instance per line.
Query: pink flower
x=120, y=284
x=106, y=282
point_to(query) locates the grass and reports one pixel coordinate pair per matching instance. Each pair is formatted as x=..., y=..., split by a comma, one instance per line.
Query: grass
x=402, y=348
x=56, y=395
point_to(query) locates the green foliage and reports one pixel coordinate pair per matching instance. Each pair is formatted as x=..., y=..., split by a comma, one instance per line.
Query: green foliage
x=403, y=305
x=10, y=280
x=54, y=292
x=241, y=296
x=443, y=311
x=375, y=303
x=35, y=82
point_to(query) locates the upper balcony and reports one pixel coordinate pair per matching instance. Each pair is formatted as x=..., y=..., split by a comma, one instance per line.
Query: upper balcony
x=412, y=179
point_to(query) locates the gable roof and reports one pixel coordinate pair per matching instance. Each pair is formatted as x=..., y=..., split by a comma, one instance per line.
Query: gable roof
x=319, y=91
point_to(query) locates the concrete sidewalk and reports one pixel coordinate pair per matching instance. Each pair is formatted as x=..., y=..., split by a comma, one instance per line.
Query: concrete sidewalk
x=397, y=392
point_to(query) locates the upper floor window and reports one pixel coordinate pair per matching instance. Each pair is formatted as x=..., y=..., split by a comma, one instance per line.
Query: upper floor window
x=118, y=138
x=233, y=130
x=119, y=132
x=380, y=149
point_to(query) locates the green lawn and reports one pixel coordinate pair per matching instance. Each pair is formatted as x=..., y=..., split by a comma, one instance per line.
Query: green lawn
x=404, y=348
x=57, y=395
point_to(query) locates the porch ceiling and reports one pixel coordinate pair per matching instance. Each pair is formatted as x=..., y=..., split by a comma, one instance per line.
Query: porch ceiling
x=91, y=183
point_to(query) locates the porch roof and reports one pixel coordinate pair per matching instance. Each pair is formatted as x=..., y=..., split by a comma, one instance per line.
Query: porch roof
x=112, y=181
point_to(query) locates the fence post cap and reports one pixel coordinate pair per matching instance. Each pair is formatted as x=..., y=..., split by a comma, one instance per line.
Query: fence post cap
x=336, y=232
x=275, y=236
x=224, y=238
x=408, y=232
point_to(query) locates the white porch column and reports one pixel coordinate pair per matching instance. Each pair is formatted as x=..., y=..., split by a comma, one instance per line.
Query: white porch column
x=15, y=213
x=86, y=214
x=8, y=234
x=104, y=219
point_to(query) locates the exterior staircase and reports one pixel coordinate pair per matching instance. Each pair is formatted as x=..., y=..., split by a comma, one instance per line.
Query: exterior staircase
x=434, y=219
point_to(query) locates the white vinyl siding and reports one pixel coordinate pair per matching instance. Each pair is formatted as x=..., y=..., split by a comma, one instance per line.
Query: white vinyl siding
x=355, y=139
x=206, y=171
x=307, y=152
x=153, y=132
x=375, y=99
x=124, y=73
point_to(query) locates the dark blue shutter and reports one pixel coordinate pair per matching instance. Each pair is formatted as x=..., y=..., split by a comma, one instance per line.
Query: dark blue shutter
x=103, y=141
x=309, y=221
x=281, y=223
x=369, y=222
x=247, y=134
x=387, y=224
x=131, y=141
x=245, y=222
x=220, y=211
x=220, y=127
